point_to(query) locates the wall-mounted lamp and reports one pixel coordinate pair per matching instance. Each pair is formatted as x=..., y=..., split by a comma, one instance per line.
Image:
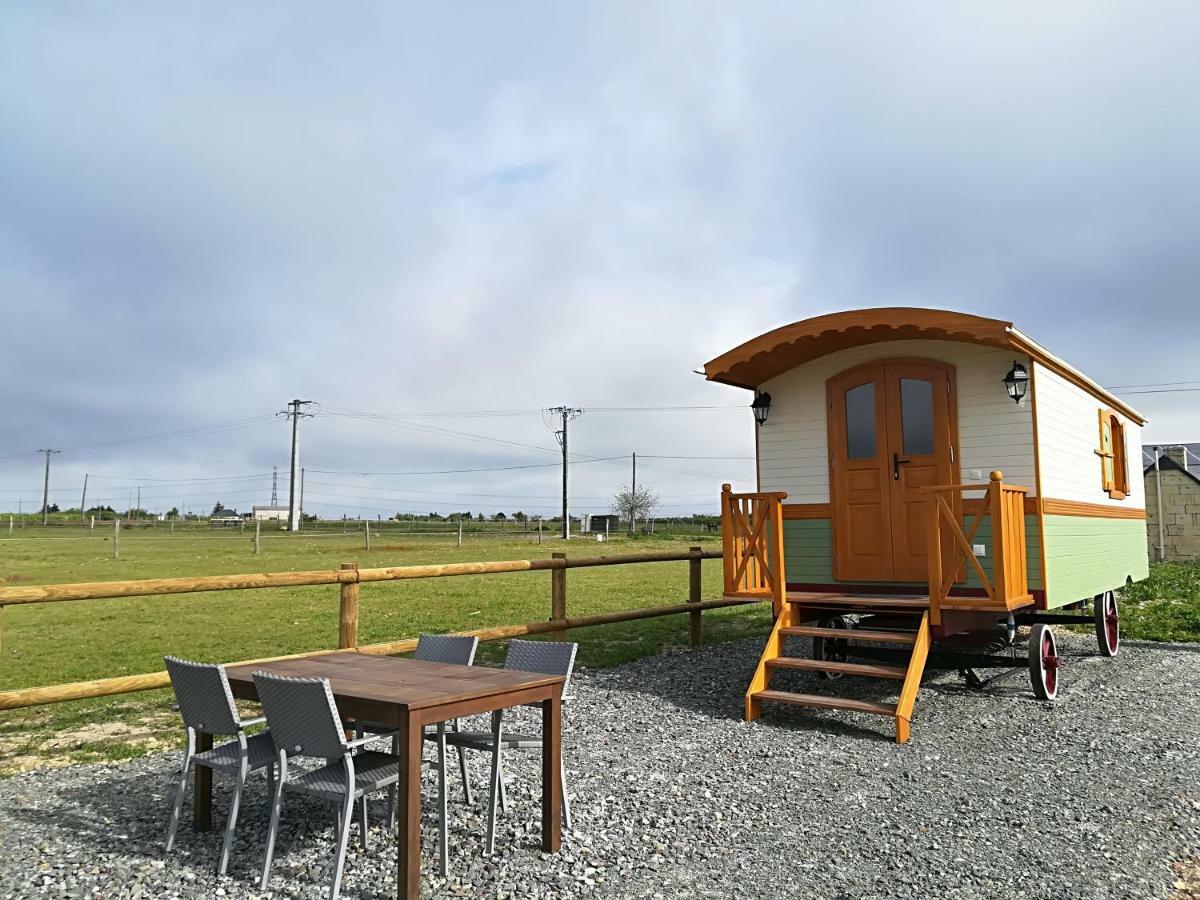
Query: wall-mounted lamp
x=761, y=406
x=1016, y=382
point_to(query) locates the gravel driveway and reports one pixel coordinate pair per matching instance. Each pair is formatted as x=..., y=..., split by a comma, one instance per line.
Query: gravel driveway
x=997, y=795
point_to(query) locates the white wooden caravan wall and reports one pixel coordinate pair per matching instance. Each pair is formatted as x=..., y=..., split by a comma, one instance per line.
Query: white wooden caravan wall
x=1068, y=435
x=993, y=431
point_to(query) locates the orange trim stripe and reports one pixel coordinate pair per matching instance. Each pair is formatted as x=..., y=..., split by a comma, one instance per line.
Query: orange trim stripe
x=971, y=507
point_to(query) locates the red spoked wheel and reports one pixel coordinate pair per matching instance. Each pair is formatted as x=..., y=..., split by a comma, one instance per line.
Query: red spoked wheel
x=1043, y=662
x=1108, y=623
x=831, y=649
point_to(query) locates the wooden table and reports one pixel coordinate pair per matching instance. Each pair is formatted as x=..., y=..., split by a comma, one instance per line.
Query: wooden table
x=409, y=695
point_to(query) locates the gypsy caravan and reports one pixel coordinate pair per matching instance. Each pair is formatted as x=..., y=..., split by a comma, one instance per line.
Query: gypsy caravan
x=926, y=478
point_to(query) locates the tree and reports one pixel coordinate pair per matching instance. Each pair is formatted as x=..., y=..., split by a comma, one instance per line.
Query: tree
x=632, y=504
x=218, y=508
x=499, y=517
x=519, y=516
x=173, y=512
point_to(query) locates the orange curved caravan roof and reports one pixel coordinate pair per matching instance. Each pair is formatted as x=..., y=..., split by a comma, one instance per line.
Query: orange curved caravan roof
x=762, y=358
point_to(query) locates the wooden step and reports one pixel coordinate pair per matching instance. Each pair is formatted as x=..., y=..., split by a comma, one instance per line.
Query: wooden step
x=914, y=602
x=820, y=665
x=858, y=634
x=821, y=702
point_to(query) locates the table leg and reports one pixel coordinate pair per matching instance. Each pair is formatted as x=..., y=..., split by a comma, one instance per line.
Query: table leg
x=202, y=787
x=551, y=772
x=408, y=814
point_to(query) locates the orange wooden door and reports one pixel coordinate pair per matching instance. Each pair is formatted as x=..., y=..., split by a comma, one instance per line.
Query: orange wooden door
x=891, y=432
x=920, y=442
x=859, y=469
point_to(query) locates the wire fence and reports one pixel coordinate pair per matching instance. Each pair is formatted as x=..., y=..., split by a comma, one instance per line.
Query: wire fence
x=359, y=532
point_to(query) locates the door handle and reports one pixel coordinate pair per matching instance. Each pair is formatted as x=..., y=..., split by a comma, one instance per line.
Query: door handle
x=896, y=461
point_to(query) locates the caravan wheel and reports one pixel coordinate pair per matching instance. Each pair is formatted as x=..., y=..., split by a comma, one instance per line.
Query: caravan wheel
x=1043, y=662
x=831, y=649
x=1108, y=623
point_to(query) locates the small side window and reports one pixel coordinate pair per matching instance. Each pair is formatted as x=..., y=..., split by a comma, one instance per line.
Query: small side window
x=1114, y=461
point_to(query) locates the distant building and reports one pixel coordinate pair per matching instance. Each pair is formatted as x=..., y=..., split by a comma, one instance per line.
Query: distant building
x=270, y=513
x=1180, y=480
x=604, y=523
x=226, y=518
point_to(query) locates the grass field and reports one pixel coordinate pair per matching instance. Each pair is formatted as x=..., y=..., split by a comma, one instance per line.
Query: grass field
x=61, y=642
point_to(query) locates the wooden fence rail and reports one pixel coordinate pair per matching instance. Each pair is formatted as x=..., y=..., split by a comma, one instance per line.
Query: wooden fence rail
x=349, y=577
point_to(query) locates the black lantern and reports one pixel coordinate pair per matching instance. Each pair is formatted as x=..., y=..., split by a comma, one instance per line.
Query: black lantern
x=1016, y=382
x=761, y=406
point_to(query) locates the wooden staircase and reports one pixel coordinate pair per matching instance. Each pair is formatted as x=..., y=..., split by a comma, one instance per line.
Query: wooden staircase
x=789, y=623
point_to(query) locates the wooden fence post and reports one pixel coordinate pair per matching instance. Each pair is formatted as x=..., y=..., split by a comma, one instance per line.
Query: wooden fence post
x=695, y=626
x=558, y=596
x=257, y=534
x=460, y=532
x=1, y=626
x=116, y=538
x=348, y=611
x=367, y=535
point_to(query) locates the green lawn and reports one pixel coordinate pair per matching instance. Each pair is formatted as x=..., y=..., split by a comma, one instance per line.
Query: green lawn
x=1164, y=607
x=61, y=642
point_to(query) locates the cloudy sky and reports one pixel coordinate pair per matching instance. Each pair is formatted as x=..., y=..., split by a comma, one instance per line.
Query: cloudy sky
x=206, y=211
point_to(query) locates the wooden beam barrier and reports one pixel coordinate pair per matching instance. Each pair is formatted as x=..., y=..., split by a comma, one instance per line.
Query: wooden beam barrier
x=348, y=610
x=558, y=595
x=695, y=623
x=104, y=590
x=128, y=684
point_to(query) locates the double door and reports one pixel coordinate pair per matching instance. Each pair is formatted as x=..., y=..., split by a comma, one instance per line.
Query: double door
x=891, y=433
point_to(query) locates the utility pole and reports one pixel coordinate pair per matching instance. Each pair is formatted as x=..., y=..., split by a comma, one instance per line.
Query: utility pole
x=294, y=413
x=301, y=498
x=274, y=485
x=139, y=503
x=83, y=499
x=567, y=413
x=633, y=497
x=46, y=488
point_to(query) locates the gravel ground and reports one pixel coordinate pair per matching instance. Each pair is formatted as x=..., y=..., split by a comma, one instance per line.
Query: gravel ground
x=997, y=795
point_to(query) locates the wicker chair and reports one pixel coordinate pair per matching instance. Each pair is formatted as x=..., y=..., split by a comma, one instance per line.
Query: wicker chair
x=442, y=648
x=206, y=706
x=304, y=722
x=545, y=657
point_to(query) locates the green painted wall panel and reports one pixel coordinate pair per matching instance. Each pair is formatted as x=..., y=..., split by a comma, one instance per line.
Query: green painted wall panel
x=808, y=551
x=1086, y=556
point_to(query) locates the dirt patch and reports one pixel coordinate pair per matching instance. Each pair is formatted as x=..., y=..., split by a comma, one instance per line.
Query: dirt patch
x=22, y=752
x=1187, y=880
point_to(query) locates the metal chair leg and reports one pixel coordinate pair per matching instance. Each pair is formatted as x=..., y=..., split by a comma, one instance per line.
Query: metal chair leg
x=562, y=789
x=339, y=862
x=443, y=806
x=184, y=771
x=462, y=767
x=494, y=797
x=227, y=845
x=503, y=795
x=362, y=817
x=273, y=828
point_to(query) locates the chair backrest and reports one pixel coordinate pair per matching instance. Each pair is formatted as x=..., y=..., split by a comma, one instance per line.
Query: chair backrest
x=544, y=657
x=301, y=715
x=203, y=694
x=447, y=648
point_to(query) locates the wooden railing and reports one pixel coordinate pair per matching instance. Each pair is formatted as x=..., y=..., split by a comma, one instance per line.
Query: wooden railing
x=752, y=532
x=1004, y=504
x=348, y=578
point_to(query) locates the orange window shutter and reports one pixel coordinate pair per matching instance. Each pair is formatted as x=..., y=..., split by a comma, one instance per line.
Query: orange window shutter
x=1107, y=469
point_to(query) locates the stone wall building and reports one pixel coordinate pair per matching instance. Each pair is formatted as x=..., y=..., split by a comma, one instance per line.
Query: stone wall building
x=1180, y=508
